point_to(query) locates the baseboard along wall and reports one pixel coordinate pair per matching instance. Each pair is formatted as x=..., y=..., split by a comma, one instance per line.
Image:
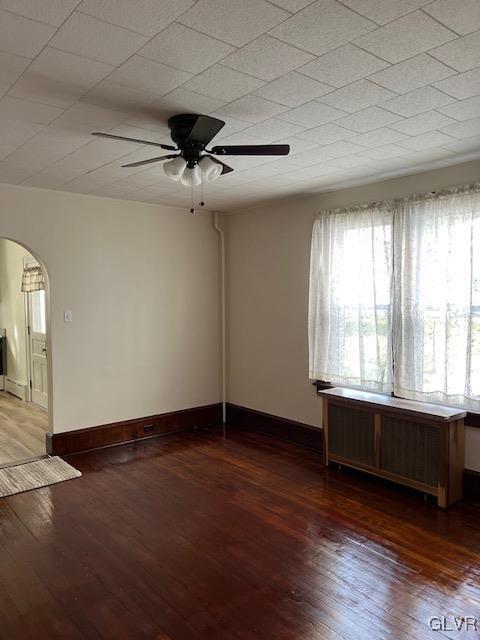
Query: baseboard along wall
x=132, y=430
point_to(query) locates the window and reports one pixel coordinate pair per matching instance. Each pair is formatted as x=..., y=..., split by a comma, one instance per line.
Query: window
x=395, y=298
x=37, y=301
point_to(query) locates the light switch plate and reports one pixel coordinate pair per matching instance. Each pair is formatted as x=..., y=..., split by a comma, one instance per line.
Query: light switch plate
x=67, y=315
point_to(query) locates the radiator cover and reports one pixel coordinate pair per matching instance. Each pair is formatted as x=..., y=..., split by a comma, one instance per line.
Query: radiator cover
x=351, y=434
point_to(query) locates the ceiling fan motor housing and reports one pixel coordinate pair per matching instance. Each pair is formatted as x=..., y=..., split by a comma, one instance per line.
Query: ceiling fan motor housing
x=182, y=128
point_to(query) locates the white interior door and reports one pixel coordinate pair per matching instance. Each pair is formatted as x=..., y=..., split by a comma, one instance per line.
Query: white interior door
x=38, y=349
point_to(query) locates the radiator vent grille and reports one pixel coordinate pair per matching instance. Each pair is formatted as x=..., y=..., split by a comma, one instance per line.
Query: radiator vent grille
x=410, y=450
x=351, y=434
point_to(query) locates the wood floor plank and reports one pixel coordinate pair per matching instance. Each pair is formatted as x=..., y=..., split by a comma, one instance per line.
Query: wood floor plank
x=22, y=429
x=196, y=537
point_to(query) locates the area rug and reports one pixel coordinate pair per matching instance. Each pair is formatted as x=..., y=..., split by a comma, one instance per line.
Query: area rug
x=36, y=474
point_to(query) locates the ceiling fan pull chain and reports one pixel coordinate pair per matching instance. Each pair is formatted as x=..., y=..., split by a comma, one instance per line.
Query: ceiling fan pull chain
x=202, y=203
x=192, y=208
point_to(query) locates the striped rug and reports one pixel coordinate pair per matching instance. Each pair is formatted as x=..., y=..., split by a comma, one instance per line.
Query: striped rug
x=36, y=474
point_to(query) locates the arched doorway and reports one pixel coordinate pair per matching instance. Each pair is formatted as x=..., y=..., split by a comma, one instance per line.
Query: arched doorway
x=25, y=365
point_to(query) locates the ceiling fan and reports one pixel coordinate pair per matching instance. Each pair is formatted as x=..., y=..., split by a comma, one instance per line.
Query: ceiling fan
x=192, y=162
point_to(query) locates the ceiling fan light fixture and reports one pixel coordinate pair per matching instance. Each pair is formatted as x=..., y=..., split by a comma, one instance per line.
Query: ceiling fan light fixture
x=175, y=169
x=211, y=170
x=191, y=177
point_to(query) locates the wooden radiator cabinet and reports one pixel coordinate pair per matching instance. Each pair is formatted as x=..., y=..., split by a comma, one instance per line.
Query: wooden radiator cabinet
x=412, y=443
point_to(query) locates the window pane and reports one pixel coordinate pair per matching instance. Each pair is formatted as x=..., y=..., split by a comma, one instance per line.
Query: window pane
x=37, y=301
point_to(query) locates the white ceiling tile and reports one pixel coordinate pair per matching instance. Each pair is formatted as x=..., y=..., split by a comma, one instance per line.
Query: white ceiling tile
x=462, y=54
x=50, y=178
x=338, y=149
x=465, y=129
x=322, y=26
x=324, y=153
x=426, y=141
x=95, y=154
x=465, y=146
x=273, y=130
x=12, y=175
x=405, y=37
x=150, y=120
x=52, y=12
x=348, y=162
x=26, y=111
x=293, y=89
x=463, y=109
x=148, y=75
x=69, y=68
x=184, y=48
x=231, y=126
x=357, y=96
x=42, y=150
x=267, y=58
x=292, y=5
x=12, y=67
x=252, y=109
x=412, y=74
x=14, y=133
x=427, y=155
x=378, y=137
x=463, y=85
x=423, y=122
x=91, y=38
x=418, y=101
x=462, y=16
x=23, y=36
x=368, y=119
x=87, y=114
x=145, y=16
x=118, y=97
x=231, y=21
x=130, y=131
x=384, y=152
x=46, y=91
x=326, y=133
x=343, y=66
x=184, y=101
x=298, y=145
x=383, y=11
x=223, y=83
x=311, y=114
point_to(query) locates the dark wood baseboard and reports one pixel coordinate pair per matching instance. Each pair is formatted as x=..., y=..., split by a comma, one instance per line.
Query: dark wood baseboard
x=283, y=428
x=471, y=484
x=130, y=430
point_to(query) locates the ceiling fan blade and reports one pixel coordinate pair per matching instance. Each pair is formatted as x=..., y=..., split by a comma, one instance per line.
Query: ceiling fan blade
x=204, y=129
x=154, y=144
x=252, y=150
x=225, y=167
x=149, y=161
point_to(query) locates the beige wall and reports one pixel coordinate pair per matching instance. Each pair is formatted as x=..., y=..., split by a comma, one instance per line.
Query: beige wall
x=268, y=264
x=12, y=308
x=142, y=283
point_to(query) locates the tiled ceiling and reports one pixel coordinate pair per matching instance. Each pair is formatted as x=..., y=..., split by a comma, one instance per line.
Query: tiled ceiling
x=361, y=89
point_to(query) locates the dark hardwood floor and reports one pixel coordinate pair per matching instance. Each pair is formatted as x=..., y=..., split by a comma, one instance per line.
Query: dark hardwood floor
x=193, y=536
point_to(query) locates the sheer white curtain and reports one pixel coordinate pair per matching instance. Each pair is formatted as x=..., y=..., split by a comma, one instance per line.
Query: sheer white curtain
x=350, y=297
x=436, y=314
